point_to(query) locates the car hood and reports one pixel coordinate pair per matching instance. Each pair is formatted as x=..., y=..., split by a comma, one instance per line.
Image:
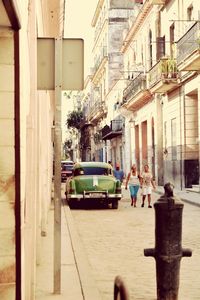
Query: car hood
x=95, y=183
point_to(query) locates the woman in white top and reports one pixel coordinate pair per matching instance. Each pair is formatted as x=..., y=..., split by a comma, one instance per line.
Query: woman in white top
x=133, y=180
x=147, y=183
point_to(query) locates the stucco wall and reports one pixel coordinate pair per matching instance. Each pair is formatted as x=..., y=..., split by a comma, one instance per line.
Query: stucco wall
x=7, y=167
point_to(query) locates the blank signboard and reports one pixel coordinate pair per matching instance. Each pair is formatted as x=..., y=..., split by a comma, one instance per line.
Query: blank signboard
x=73, y=64
x=45, y=64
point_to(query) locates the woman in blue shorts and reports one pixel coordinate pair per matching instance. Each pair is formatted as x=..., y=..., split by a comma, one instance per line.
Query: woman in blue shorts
x=133, y=181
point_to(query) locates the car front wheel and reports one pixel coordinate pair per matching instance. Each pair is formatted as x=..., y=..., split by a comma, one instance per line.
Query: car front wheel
x=115, y=204
x=72, y=203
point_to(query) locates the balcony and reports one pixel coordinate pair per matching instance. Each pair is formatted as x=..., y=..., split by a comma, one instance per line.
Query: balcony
x=163, y=77
x=136, y=94
x=188, y=49
x=97, y=111
x=138, y=22
x=112, y=131
x=100, y=63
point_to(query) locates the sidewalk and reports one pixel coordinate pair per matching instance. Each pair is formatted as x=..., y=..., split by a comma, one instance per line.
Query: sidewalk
x=77, y=282
x=186, y=196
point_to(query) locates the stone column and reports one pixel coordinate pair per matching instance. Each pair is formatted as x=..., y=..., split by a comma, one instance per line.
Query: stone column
x=198, y=99
x=158, y=127
x=127, y=154
x=149, y=141
x=140, y=146
x=132, y=143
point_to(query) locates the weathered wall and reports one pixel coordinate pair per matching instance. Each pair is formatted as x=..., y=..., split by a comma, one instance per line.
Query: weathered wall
x=7, y=167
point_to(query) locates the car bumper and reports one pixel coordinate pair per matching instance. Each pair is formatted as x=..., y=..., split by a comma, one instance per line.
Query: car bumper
x=94, y=196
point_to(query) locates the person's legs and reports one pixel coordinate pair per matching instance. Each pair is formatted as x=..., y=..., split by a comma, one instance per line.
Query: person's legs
x=149, y=197
x=132, y=200
x=149, y=201
x=143, y=196
x=132, y=194
x=136, y=188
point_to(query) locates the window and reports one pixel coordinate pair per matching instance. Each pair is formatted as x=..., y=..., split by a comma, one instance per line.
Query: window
x=91, y=171
x=160, y=47
x=190, y=13
x=173, y=138
x=150, y=49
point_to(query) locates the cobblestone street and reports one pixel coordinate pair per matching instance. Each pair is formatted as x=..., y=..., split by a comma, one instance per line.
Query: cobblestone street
x=114, y=241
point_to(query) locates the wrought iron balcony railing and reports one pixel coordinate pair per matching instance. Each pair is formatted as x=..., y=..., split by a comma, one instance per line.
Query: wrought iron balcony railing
x=164, y=75
x=96, y=111
x=103, y=54
x=138, y=84
x=112, y=131
x=189, y=43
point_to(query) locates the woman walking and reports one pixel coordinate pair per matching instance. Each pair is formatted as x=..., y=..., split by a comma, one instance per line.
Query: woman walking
x=133, y=181
x=147, y=183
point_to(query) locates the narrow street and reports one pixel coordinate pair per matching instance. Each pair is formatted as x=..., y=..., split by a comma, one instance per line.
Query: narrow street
x=114, y=241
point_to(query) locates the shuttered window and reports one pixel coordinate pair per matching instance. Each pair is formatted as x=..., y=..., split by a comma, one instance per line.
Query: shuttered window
x=160, y=47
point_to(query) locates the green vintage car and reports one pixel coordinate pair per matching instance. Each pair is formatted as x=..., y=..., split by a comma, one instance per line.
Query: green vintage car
x=93, y=181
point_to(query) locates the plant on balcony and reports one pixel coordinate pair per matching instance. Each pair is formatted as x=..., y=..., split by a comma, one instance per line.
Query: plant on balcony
x=168, y=68
x=172, y=68
x=164, y=67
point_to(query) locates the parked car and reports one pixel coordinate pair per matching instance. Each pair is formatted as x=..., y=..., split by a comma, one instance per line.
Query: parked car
x=93, y=181
x=66, y=169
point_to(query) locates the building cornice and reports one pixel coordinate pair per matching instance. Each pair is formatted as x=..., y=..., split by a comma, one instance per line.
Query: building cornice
x=136, y=24
x=97, y=12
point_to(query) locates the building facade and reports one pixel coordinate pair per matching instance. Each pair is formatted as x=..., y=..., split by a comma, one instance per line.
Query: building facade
x=181, y=106
x=162, y=92
x=109, y=21
x=26, y=148
x=142, y=105
x=146, y=75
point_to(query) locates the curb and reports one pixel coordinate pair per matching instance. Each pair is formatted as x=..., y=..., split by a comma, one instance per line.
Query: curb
x=182, y=198
x=87, y=282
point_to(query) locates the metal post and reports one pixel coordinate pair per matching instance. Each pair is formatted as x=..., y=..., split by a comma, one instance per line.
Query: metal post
x=57, y=175
x=168, y=249
x=120, y=290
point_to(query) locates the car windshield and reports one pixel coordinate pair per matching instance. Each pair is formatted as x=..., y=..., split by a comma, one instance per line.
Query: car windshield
x=91, y=171
x=67, y=167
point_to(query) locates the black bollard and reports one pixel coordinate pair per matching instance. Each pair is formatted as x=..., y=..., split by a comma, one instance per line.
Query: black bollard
x=168, y=248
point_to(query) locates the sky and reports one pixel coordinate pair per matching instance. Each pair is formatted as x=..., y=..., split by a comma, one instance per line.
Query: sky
x=78, y=21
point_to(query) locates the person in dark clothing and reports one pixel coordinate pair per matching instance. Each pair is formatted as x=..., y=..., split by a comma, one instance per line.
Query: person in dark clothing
x=119, y=174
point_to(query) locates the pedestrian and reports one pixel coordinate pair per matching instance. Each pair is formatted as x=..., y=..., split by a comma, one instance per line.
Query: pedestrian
x=147, y=183
x=133, y=181
x=110, y=162
x=118, y=173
